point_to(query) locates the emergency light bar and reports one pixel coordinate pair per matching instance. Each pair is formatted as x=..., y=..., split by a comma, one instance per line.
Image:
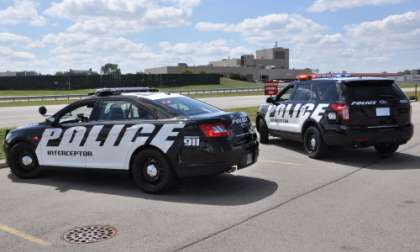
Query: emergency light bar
x=117, y=91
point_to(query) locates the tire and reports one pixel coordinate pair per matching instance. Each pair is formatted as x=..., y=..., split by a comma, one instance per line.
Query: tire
x=386, y=149
x=23, y=162
x=263, y=130
x=152, y=172
x=314, y=144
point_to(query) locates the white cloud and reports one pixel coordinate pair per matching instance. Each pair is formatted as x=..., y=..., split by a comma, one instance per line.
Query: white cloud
x=197, y=53
x=284, y=28
x=334, y=5
x=123, y=16
x=391, y=43
x=23, y=11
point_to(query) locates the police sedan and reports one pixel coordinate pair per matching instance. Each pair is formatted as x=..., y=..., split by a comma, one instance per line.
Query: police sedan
x=158, y=137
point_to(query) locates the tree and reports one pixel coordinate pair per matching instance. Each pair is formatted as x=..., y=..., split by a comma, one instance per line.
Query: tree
x=110, y=69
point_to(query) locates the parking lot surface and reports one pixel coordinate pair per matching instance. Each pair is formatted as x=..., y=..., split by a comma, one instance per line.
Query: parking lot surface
x=352, y=201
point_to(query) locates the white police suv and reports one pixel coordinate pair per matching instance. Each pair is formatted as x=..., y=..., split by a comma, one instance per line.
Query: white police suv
x=351, y=111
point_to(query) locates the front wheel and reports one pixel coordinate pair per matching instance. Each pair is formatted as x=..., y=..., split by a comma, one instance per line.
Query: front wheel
x=313, y=143
x=23, y=161
x=152, y=172
x=263, y=130
x=386, y=149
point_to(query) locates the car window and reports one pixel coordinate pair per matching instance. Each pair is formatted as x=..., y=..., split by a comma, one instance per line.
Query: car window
x=184, y=106
x=285, y=94
x=372, y=90
x=121, y=110
x=326, y=91
x=303, y=93
x=80, y=114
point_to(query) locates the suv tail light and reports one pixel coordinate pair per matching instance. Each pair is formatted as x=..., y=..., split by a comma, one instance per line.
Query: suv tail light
x=342, y=111
x=214, y=129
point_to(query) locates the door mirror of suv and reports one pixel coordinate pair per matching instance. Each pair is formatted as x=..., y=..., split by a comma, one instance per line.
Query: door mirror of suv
x=42, y=110
x=270, y=100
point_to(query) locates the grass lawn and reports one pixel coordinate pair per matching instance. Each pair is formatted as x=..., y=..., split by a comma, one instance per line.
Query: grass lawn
x=2, y=135
x=224, y=83
x=408, y=84
x=251, y=111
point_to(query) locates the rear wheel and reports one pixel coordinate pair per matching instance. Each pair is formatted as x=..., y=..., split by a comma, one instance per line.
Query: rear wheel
x=263, y=130
x=152, y=172
x=313, y=143
x=386, y=149
x=23, y=162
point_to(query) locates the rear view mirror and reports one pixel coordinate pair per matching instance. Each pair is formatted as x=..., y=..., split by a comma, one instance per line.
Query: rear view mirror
x=270, y=100
x=42, y=110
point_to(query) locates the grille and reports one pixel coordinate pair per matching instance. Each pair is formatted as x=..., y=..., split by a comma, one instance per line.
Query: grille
x=90, y=234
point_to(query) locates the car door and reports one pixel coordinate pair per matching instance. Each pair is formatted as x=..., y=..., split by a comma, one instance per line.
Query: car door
x=120, y=126
x=302, y=104
x=62, y=145
x=276, y=113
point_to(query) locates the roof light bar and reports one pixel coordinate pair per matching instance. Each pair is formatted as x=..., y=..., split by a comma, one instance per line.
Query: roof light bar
x=117, y=91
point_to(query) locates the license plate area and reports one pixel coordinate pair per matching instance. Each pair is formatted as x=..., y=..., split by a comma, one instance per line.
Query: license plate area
x=383, y=112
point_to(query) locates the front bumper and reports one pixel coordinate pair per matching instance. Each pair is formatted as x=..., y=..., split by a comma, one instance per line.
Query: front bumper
x=345, y=136
x=215, y=158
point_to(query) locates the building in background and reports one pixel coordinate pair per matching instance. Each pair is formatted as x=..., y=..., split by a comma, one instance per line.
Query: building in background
x=266, y=64
x=18, y=74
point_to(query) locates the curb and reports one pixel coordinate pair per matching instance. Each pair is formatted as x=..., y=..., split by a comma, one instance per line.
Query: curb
x=3, y=164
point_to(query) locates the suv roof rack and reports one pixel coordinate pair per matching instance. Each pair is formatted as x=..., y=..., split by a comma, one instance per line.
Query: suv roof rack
x=118, y=91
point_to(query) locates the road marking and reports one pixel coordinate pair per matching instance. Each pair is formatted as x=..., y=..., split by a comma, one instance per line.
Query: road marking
x=23, y=235
x=279, y=162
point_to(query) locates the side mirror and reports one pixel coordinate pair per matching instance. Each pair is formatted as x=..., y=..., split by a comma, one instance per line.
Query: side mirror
x=51, y=120
x=42, y=110
x=270, y=100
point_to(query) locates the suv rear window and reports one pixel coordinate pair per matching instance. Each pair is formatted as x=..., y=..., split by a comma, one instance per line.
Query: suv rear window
x=184, y=106
x=372, y=90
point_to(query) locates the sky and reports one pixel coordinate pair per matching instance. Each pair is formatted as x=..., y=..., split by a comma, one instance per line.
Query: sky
x=329, y=35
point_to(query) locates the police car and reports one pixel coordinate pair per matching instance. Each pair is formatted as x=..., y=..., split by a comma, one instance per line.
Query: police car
x=339, y=111
x=157, y=136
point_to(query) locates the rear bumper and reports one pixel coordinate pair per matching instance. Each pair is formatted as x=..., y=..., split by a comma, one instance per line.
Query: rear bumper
x=216, y=158
x=345, y=136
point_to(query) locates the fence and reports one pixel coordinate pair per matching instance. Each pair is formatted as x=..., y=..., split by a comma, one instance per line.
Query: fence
x=72, y=82
x=184, y=92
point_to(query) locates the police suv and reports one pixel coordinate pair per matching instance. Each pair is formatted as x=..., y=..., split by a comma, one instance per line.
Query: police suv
x=358, y=112
x=157, y=136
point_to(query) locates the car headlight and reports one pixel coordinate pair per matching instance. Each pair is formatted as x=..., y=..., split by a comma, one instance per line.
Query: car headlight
x=8, y=137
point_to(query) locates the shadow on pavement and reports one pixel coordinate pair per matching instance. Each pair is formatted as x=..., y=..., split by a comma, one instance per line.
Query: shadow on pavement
x=360, y=158
x=224, y=189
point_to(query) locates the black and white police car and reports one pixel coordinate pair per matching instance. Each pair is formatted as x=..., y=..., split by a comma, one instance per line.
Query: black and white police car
x=157, y=136
x=349, y=111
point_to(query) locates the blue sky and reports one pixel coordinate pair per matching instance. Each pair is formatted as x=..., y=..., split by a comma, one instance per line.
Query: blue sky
x=330, y=35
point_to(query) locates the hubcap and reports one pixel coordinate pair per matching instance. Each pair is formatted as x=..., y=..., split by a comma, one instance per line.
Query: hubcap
x=313, y=143
x=151, y=170
x=27, y=160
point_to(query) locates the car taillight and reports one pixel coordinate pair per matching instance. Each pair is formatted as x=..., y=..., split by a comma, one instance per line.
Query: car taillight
x=342, y=110
x=214, y=130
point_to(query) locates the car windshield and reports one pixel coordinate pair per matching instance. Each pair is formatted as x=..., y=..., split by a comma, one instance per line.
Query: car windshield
x=184, y=106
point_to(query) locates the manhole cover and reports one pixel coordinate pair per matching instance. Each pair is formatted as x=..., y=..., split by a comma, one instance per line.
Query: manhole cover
x=89, y=234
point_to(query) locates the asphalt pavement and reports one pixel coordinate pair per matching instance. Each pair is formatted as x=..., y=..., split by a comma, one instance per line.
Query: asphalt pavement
x=352, y=201
x=17, y=116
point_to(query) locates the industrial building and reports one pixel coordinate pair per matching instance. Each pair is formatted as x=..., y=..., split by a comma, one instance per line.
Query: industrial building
x=266, y=64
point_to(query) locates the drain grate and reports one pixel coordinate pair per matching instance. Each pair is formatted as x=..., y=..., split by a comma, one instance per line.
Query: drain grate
x=90, y=234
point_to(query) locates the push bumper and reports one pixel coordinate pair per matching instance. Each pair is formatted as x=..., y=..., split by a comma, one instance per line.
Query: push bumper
x=216, y=158
x=345, y=136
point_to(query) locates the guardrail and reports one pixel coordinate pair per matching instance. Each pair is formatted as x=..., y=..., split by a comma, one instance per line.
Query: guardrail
x=69, y=97
x=79, y=96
